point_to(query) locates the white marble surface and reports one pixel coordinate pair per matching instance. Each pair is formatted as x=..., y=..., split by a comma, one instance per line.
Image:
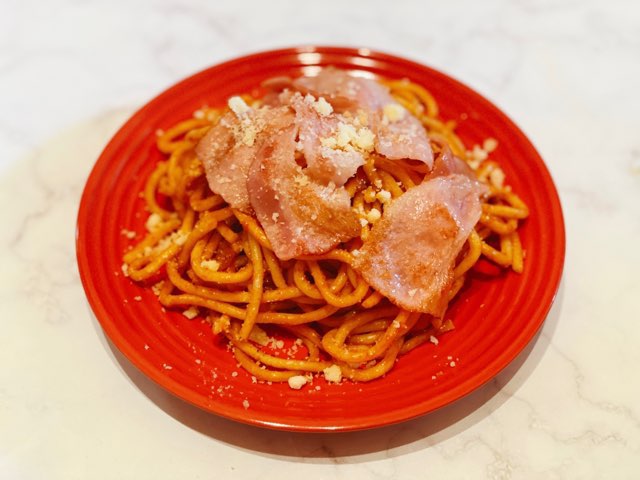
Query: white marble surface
x=71, y=407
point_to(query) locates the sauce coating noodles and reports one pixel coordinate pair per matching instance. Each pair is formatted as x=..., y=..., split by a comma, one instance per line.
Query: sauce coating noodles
x=216, y=262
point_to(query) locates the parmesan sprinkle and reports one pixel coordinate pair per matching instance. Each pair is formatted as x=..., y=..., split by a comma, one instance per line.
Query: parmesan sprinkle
x=497, y=177
x=412, y=292
x=383, y=196
x=490, y=144
x=297, y=382
x=191, y=313
x=393, y=112
x=238, y=106
x=374, y=215
x=333, y=374
x=213, y=265
x=321, y=106
x=153, y=222
x=434, y=340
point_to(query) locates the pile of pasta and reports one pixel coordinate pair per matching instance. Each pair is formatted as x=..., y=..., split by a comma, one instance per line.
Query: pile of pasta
x=214, y=262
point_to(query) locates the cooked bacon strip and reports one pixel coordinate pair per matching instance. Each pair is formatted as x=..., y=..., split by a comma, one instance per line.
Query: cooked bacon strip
x=410, y=253
x=401, y=135
x=446, y=163
x=318, y=125
x=229, y=148
x=299, y=216
x=398, y=133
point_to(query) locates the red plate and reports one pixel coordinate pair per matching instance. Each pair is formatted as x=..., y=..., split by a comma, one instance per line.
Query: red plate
x=495, y=316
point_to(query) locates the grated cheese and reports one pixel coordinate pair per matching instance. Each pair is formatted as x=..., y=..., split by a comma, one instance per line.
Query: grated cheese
x=374, y=215
x=393, y=112
x=333, y=374
x=153, y=222
x=384, y=196
x=190, y=313
x=238, y=106
x=490, y=144
x=297, y=382
x=213, y=265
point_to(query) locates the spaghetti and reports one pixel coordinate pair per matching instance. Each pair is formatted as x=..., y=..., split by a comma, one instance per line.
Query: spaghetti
x=203, y=256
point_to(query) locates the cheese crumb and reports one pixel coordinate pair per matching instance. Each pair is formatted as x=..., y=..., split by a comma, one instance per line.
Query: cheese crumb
x=125, y=269
x=179, y=238
x=384, y=196
x=275, y=216
x=497, y=177
x=153, y=222
x=323, y=107
x=297, y=382
x=301, y=180
x=333, y=374
x=234, y=374
x=213, y=265
x=373, y=216
x=412, y=292
x=245, y=404
x=369, y=195
x=434, y=340
x=259, y=336
x=128, y=233
x=490, y=144
x=156, y=288
x=190, y=313
x=479, y=154
x=452, y=364
x=364, y=222
x=348, y=138
x=137, y=298
x=221, y=324
x=238, y=106
x=393, y=112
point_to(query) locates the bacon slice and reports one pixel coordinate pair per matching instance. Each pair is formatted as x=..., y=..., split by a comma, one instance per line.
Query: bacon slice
x=229, y=148
x=317, y=124
x=299, y=216
x=446, y=163
x=402, y=136
x=410, y=253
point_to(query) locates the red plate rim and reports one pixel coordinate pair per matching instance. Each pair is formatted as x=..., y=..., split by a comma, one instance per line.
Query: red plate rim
x=100, y=284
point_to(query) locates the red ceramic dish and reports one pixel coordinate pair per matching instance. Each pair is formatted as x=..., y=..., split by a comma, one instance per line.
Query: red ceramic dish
x=495, y=315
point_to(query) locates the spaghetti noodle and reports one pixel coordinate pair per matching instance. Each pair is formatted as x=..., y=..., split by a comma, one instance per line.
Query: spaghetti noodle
x=208, y=258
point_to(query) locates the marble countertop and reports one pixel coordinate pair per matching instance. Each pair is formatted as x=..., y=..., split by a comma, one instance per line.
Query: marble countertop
x=71, y=407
